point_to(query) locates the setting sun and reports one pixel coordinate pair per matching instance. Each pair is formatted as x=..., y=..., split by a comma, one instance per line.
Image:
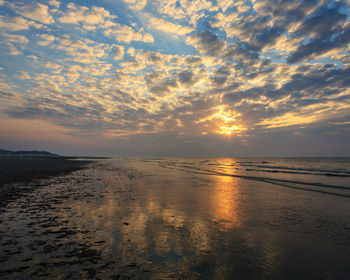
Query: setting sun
x=229, y=130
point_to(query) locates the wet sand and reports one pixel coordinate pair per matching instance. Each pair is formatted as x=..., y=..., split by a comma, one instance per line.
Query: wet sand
x=26, y=169
x=135, y=219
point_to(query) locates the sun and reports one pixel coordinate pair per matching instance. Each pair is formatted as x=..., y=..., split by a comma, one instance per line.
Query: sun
x=229, y=130
x=224, y=121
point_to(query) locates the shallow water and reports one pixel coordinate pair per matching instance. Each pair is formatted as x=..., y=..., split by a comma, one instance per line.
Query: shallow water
x=183, y=218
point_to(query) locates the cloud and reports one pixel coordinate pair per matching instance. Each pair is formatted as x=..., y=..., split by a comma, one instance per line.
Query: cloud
x=15, y=43
x=184, y=9
x=118, y=52
x=17, y=24
x=37, y=12
x=225, y=4
x=47, y=39
x=55, y=3
x=193, y=60
x=127, y=34
x=23, y=75
x=171, y=8
x=301, y=27
x=132, y=65
x=284, y=11
x=91, y=57
x=186, y=77
x=98, y=17
x=169, y=27
x=324, y=19
x=14, y=38
x=241, y=52
x=309, y=114
x=13, y=50
x=326, y=31
x=311, y=95
x=136, y=4
x=83, y=15
x=207, y=43
x=53, y=66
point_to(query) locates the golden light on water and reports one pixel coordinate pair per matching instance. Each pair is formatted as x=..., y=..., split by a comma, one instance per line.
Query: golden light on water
x=225, y=203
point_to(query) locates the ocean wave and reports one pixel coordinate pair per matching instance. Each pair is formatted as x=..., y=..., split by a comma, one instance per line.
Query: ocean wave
x=344, y=171
x=298, y=172
x=300, y=185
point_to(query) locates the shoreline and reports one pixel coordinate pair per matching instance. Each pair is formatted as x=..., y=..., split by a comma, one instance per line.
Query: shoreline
x=26, y=169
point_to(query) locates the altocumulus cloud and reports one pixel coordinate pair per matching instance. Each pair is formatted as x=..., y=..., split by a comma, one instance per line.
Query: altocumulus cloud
x=179, y=77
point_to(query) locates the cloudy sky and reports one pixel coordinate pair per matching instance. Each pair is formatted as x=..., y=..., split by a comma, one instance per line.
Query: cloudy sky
x=176, y=77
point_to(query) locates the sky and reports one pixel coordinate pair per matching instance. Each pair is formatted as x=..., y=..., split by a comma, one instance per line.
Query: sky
x=199, y=78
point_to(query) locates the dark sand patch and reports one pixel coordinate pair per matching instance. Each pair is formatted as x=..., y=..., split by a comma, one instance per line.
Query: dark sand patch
x=26, y=169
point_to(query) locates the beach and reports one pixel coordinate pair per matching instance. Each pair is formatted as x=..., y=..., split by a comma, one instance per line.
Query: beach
x=155, y=218
x=25, y=169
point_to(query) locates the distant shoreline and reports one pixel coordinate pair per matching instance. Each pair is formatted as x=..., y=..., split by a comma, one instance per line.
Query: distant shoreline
x=54, y=156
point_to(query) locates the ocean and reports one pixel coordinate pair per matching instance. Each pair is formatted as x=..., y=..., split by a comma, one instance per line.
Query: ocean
x=183, y=218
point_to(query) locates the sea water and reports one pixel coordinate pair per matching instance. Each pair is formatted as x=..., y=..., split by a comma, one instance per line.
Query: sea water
x=207, y=218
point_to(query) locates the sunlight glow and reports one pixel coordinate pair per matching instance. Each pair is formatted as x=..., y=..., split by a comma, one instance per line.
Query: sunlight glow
x=225, y=203
x=224, y=121
x=229, y=130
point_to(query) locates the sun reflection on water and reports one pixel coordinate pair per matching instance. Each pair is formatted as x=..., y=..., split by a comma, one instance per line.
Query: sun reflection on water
x=142, y=223
x=225, y=203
